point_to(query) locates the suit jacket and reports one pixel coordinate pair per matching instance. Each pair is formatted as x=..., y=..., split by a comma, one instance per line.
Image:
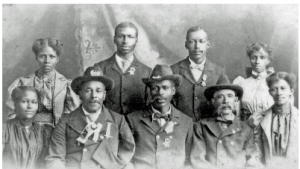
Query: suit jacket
x=264, y=140
x=130, y=93
x=189, y=97
x=107, y=152
x=213, y=147
x=65, y=100
x=152, y=149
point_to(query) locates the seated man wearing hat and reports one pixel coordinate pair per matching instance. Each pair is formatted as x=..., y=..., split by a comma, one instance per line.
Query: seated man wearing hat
x=162, y=134
x=223, y=141
x=91, y=136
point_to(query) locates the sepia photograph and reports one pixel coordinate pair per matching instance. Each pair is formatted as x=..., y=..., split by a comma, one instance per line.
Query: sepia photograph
x=150, y=86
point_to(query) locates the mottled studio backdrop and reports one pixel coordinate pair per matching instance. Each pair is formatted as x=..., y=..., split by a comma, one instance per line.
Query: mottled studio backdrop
x=87, y=31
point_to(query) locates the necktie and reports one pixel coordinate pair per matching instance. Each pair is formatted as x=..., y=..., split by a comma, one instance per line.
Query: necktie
x=125, y=64
x=225, y=122
x=156, y=116
x=198, y=67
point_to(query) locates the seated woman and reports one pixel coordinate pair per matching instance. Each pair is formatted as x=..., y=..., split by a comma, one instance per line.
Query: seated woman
x=25, y=143
x=256, y=97
x=56, y=95
x=277, y=132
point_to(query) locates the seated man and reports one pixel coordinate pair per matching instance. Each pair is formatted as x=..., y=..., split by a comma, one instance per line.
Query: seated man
x=223, y=141
x=91, y=136
x=162, y=134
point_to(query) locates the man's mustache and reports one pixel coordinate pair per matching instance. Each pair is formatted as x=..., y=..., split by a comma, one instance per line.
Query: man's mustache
x=156, y=98
x=225, y=105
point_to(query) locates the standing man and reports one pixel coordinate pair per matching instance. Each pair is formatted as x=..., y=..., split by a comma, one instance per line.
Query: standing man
x=91, y=136
x=127, y=71
x=198, y=73
x=162, y=134
x=223, y=141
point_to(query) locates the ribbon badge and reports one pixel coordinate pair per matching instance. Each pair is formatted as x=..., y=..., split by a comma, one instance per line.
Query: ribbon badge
x=131, y=70
x=170, y=127
x=108, y=128
x=91, y=129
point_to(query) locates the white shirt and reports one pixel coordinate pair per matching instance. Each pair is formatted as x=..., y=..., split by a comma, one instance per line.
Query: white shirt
x=161, y=121
x=197, y=72
x=92, y=116
x=124, y=62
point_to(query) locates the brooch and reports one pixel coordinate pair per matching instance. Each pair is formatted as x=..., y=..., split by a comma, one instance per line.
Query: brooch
x=95, y=73
x=131, y=70
x=167, y=141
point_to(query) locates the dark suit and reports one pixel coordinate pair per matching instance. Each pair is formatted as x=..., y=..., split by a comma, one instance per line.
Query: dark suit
x=189, y=97
x=130, y=92
x=149, y=137
x=108, y=153
x=222, y=149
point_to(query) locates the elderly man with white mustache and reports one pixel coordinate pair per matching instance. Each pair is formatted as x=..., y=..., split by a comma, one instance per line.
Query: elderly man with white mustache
x=224, y=141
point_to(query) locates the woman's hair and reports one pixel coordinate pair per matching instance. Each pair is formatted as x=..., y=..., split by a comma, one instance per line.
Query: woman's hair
x=257, y=46
x=55, y=44
x=18, y=92
x=288, y=77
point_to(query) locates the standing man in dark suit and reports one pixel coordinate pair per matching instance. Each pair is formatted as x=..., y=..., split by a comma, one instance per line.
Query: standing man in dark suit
x=91, y=136
x=127, y=71
x=162, y=134
x=198, y=74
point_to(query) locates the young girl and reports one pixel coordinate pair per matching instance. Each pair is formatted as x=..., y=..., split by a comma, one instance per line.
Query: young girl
x=256, y=96
x=25, y=143
x=277, y=132
x=56, y=95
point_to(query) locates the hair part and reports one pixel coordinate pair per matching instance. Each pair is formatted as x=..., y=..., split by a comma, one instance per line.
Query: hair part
x=18, y=92
x=195, y=29
x=126, y=25
x=288, y=77
x=257, y=47
x=55, y=44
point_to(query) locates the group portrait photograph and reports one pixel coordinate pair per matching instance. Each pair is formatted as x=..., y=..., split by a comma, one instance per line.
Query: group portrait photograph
x=150, y=86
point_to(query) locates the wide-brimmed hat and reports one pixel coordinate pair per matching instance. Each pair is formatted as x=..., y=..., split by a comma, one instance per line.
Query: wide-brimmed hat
x=209, y=92
x=163, y=72
x=92, y=74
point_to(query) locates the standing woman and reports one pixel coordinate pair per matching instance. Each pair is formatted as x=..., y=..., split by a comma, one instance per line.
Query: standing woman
x=25, y=143
x=277, y=132
x=56, y=95
x=256, y=96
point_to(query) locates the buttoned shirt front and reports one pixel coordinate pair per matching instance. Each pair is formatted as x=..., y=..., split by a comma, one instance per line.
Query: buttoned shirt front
x=91, y=117
x=197, y=69
x=161, y=121
x=124, y=63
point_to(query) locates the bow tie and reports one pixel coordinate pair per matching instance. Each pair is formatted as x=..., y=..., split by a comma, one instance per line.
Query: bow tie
x=156, y=116
x=199, y=67
x=225, y=122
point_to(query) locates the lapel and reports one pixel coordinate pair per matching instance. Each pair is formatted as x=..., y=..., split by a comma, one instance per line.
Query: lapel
x=234, y=128
x=208, y=69
x=175, y=117
x=266, y=123
x=104, y=117
x=60, y=83
x=186, y=71
x=78, y=120
x=114, y=65
x=213, y=127
x=293, y=137
x=147, y=119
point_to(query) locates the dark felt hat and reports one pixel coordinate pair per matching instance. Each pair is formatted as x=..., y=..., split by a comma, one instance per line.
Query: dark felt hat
x=209, y=92
x=163, y=72
x=92, y=74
